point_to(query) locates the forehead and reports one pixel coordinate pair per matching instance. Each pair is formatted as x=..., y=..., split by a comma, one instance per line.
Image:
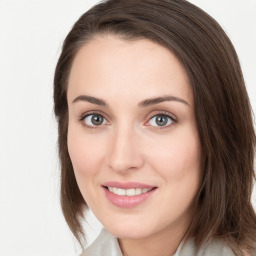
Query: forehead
x=140, y=68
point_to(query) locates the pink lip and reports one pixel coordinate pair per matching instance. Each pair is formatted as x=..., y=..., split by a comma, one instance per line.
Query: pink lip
x=126, y=185
x=127, y=201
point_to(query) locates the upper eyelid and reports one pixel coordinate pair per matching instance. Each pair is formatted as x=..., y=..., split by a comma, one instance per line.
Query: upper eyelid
x=85, y=114
x=163, y=112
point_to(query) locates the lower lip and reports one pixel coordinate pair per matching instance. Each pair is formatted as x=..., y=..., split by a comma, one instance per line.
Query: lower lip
x=127, y=201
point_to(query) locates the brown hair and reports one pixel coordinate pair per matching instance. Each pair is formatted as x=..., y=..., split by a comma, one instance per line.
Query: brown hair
x=223, y=112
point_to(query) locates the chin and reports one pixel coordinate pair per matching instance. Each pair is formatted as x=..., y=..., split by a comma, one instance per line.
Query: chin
x=129, y=230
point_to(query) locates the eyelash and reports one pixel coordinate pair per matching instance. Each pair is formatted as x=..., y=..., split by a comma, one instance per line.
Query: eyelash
x=160, y=113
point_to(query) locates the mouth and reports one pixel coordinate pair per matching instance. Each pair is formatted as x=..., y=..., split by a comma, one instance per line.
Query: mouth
x=128, y=192
x=127, y=195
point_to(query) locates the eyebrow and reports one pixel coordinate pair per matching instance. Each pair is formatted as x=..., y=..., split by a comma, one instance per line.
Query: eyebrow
x=144, y=103
x=157, y=100
x=90, y=99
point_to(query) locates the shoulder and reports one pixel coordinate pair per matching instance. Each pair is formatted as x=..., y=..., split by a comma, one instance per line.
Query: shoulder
x=217, y=247
x=213, y=248
x=105, y=244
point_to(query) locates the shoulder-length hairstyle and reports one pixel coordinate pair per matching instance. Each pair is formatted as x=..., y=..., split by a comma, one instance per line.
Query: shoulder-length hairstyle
x=223, y=206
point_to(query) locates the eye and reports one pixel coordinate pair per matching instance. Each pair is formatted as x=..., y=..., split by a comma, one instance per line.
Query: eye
x=93, y=120
x=161, y=120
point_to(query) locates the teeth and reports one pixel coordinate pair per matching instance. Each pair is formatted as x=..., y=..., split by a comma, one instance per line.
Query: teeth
x=128, y=192
x=145, y=190
x=131, y=192
x=120, y=192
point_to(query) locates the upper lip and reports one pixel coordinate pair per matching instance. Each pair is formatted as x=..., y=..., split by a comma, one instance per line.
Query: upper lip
x=126, y=185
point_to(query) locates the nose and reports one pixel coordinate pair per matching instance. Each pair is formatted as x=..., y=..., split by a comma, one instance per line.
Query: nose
x=124, y=154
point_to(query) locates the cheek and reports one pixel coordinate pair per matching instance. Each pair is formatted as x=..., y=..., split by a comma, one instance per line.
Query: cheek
x=180, y=167
x=82, y=153
x=178, y=155
x=78, y=154
x=178, y=162
x=82, y=150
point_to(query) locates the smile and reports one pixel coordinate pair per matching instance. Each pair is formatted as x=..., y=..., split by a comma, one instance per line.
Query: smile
x=128, y=195
x=128, y=192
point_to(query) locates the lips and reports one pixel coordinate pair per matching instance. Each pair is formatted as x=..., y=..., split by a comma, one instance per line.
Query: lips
x=128, y=194
x=126, y=185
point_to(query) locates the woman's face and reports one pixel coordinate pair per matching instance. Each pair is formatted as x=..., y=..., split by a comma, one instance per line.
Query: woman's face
x=132, y=136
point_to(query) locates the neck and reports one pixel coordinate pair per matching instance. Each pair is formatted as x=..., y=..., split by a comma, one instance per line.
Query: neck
x=164, y=243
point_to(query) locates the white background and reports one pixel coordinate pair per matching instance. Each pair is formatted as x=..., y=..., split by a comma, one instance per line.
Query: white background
x=31, y=35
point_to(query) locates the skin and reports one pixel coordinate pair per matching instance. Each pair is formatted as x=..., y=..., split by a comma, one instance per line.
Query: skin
x=130, y=145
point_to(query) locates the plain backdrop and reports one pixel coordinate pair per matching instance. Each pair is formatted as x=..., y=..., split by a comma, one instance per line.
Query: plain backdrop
x=31, y=35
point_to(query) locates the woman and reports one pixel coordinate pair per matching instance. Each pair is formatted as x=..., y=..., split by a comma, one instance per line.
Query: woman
x=155, y=132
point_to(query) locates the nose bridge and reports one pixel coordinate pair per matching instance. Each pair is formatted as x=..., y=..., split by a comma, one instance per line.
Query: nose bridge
x=124, y=152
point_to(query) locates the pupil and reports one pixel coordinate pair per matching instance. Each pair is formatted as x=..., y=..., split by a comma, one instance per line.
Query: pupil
x=97, y=120
x=161, y=120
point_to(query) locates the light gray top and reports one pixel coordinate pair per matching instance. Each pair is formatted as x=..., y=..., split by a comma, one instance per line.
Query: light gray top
x=107, y=245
